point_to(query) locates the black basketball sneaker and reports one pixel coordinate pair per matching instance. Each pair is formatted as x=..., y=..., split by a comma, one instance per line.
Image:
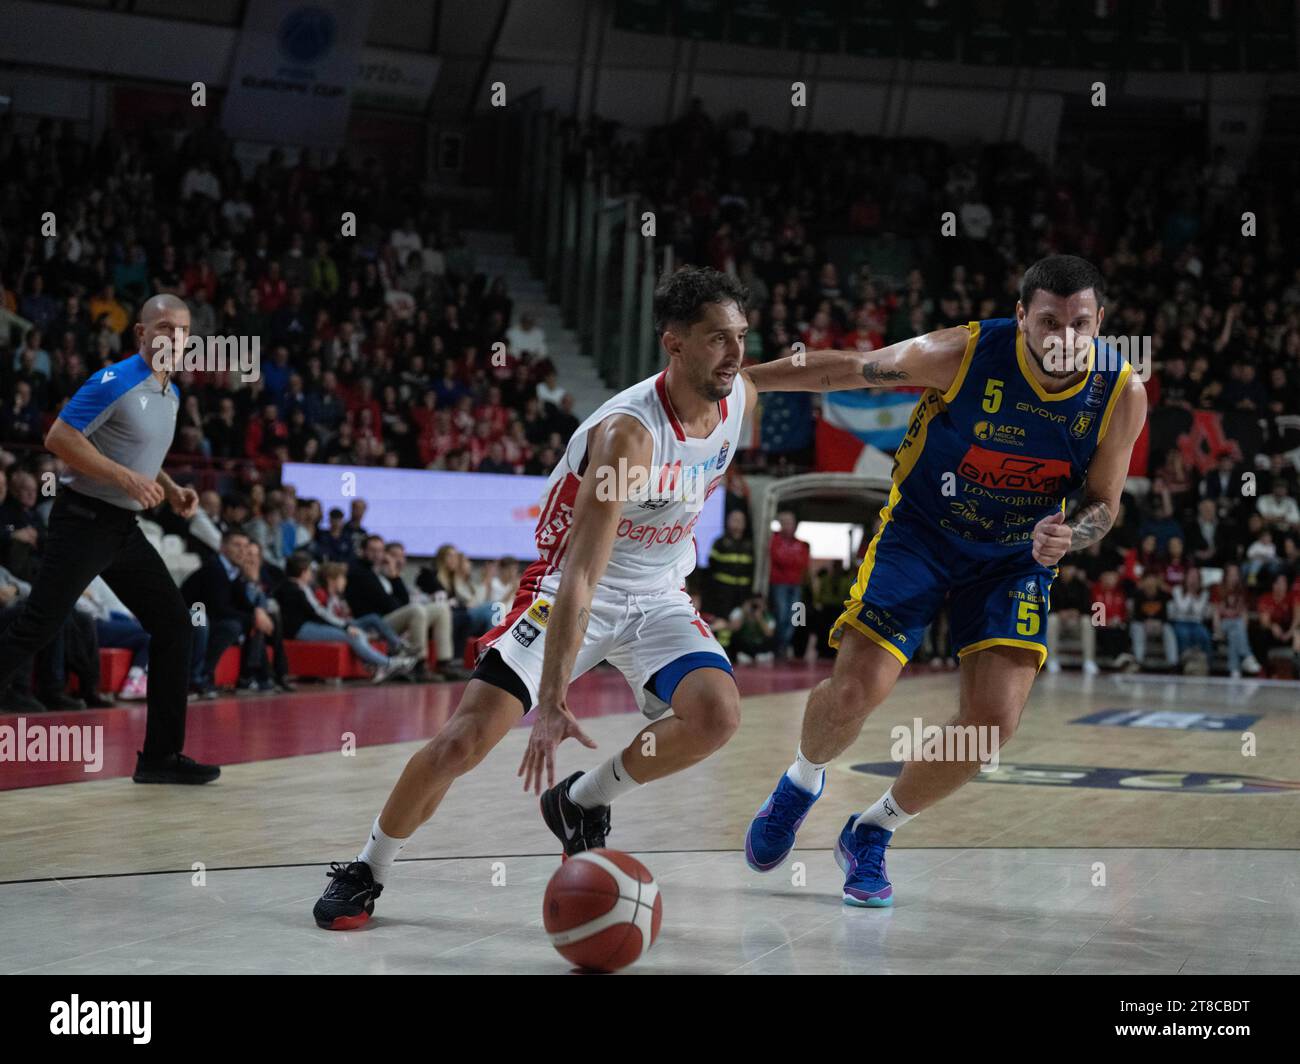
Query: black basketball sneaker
x=349, y=900
x=577, y=829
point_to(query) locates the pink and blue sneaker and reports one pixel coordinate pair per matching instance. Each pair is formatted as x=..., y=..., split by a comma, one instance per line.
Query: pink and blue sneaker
x=861, y=854
x=771, y=833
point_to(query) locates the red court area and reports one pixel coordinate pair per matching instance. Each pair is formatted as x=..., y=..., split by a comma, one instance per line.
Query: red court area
x=233, y=730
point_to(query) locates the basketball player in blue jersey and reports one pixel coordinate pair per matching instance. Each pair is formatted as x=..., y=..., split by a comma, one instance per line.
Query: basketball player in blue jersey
x=1018, y=414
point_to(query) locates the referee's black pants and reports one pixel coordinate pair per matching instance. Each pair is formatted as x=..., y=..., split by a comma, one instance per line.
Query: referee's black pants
x=87, y=538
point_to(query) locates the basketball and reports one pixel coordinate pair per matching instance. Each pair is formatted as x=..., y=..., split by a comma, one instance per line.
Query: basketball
x=602, y=910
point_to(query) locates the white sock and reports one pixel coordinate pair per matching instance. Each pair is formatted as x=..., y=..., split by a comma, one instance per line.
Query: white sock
x=603, y=785
x=380, y=851
x=807, y=774
x=886, y=813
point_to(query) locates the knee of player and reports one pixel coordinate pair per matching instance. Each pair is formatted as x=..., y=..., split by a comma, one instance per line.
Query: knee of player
x=998, y=717
x=716, y=719
x=850, y=696
x=459, y=748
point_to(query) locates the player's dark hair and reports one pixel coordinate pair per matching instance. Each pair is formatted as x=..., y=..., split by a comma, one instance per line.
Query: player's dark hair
x=681, y=297
x=1062, y=275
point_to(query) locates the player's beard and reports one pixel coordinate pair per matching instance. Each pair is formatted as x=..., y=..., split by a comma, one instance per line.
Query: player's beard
x=1059, y=375
x=707, y=388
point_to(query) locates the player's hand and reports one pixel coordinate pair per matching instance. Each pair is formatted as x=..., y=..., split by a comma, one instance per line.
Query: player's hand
x=184, y=501
x=553, y=725
x=148, y=493
x=1052, y=538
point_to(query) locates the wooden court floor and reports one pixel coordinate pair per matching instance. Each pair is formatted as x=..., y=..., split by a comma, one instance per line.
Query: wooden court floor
x=1128, y=841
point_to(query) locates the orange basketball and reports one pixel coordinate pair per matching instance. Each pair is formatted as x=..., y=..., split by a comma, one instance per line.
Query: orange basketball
x=602, y=910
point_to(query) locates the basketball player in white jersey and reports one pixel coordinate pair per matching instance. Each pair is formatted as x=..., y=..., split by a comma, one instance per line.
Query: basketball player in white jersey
x=616, y=544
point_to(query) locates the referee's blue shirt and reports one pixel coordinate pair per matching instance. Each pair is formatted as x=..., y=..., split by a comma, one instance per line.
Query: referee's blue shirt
x=128, y=417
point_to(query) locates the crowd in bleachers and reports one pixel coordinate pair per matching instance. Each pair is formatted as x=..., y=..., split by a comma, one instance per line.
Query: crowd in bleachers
x=378, y=348
x=383, y=348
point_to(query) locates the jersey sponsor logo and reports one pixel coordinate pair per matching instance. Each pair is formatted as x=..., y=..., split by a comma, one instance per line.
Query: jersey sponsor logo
x=999, y=496
x=968, y=511
x=1082, y=424
x=997, y=469
x=655, y=535
x=539, y=612
x=1008, y=434
x=1041, y=411
x=525, y=632
x=1112, y=779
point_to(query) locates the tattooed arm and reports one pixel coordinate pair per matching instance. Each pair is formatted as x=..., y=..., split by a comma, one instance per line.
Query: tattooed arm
x=1054, y=537
x=929, y=361
x=589, y=542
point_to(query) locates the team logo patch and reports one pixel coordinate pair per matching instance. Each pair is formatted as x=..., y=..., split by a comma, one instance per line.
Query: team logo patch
x=1082, y=424
x=539, y=613
x=722, y=454
x=1096, y=389
x=525, y=633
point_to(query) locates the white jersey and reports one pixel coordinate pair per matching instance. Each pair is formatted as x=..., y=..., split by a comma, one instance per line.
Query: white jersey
x=654, y=545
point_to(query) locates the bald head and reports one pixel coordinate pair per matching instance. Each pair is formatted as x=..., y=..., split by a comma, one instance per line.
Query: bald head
x=162, y=304
x=164, y=323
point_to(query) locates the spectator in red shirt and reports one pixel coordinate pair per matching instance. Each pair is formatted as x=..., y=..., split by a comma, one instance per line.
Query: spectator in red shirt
x=788, y=558
x=1278, y=621
x=1112, y=629
x=272, y=289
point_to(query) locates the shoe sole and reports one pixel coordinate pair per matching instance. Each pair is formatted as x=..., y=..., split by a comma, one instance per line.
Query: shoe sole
x=883, y=902
x=184, y=781
x=344, y=923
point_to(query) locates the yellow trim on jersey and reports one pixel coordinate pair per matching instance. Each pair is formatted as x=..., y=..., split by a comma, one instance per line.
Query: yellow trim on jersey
x=1124, y=374
x=850, y=617
x=984, y=644
x=1046, y=396
x=960, y=379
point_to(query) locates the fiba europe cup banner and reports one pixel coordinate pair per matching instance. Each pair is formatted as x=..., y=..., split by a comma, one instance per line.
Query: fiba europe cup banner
x=295, y=66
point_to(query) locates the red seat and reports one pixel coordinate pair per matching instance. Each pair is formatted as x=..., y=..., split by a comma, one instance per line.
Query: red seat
x=226, y=674
x=114, y=664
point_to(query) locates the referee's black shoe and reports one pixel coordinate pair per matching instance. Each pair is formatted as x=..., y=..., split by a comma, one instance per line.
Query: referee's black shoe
x=174, y=768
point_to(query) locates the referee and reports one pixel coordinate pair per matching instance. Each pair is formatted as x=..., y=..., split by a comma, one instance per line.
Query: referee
x=114, y=434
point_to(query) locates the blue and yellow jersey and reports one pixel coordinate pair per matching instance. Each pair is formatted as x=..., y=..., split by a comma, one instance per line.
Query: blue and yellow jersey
x=985, y=460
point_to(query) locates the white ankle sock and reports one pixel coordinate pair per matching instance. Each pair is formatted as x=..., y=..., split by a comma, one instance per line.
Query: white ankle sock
x=380, y=851
x=886, y=813
x=807, y=774
x=603, y=785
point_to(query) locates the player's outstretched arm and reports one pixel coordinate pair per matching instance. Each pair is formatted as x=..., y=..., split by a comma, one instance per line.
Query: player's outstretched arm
x=929, y=361
x=596, y=513
x=1056, y=535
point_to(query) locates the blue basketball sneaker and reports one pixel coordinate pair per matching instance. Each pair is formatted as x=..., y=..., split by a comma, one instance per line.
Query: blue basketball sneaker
x=861, y=854
x=771, y=833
